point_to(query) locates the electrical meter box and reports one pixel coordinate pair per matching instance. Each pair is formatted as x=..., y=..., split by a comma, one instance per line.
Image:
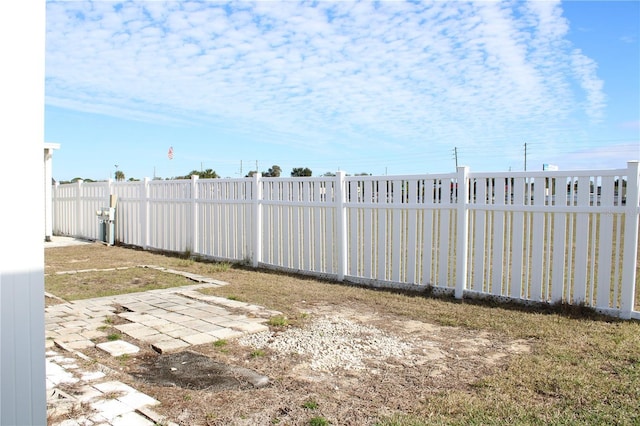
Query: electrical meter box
x=106, y=224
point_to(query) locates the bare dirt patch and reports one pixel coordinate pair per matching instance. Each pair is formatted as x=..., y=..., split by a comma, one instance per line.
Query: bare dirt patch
x=191, y=370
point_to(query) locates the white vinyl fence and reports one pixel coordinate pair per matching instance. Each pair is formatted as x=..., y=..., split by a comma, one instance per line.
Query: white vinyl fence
x=547, y=237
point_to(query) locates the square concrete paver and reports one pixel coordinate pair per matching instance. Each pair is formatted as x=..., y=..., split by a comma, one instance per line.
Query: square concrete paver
x=199, y=339
x=138, y=399
x=165, y=346
x=249, y=327
x=111, y=408
x=180, y=331
x=118, y=347
x=79, y=344
x=226, y=333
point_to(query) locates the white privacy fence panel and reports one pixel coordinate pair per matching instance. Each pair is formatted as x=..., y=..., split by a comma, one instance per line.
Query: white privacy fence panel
x=552, y=236
x=224, y=217
x=299, y=225
x=75, y=207
x=169, y=215
x=130, y=212
x=64, y=209
x=402, y=229
x=532, y=236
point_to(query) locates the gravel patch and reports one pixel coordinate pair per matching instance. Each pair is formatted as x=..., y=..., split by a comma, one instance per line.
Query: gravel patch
x=332, y=344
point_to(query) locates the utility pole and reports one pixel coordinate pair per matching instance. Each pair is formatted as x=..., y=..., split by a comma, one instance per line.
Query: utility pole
x=525, y=156
x=455, y=155
x=240, y=168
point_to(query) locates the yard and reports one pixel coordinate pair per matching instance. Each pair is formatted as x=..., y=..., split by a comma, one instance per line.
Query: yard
x=463, y=362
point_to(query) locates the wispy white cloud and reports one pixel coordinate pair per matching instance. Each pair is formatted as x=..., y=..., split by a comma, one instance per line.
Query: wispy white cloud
x=355, y=74
x=607, y=157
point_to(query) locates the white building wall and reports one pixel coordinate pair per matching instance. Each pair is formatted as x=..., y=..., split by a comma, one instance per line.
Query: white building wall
x=22, y=360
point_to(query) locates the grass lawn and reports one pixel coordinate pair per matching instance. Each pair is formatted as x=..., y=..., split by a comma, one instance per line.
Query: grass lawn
x=581, y=368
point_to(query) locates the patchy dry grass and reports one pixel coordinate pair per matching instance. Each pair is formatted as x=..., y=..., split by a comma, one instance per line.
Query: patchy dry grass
x=579, y=368
x=86, y=285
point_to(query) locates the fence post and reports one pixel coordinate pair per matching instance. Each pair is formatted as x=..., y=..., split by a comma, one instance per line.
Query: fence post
x=55, y=208
x=194, y=215
x=144, y=213
x=462, y=231
x=341, y=217
x=257, y=220
x=78, y=228
x=630, y=253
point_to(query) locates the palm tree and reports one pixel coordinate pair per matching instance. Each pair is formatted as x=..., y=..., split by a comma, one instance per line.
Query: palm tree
x=301, y=171
x=119, y=175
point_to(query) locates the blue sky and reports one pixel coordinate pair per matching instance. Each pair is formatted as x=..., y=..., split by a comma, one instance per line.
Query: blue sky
x=375, y=87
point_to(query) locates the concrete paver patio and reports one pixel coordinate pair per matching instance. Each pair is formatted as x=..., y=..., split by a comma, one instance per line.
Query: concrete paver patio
x=167, y=320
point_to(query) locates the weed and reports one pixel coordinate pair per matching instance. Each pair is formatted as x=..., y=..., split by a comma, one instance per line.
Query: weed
x=109, y=320
x=318, y=421
x=124, y=358
x=114, y=336
x=103, y=328
x=219, y=267
x=185, y=263
x=232, y=297
x=278, y=321
x=78, y=410
x=257, y=353
x=220, y=343
x=310, y=405
x=187, y=397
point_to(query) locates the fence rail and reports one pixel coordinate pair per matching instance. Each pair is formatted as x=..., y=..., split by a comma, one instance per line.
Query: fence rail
x=531, y=236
